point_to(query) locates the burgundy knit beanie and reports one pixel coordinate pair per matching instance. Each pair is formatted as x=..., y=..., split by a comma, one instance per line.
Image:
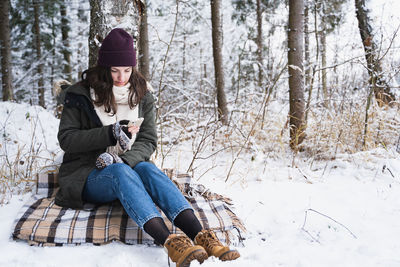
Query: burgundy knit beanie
x=117, y=50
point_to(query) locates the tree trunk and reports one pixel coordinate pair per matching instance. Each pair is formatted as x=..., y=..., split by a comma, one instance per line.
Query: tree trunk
x=81, y=55
x=5, y=51
x=143, y=44
x=259, y=44
x=323, y=64
x=218, y=64
x=103, y=19
x=38, y=53
x=307, y=61
x=307, y=66
x=322, y=36
x=53, y=53
x=67, y=69
x=184, y=60
x=377, y=81
x=296, y=83
x=316, y=31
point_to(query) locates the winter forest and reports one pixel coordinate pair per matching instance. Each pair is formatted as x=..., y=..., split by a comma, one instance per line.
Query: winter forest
x=289, y=108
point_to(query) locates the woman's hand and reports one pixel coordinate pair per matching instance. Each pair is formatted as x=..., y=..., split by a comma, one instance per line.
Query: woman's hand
x=121, y=133
x=106, y=159
x=133, y=129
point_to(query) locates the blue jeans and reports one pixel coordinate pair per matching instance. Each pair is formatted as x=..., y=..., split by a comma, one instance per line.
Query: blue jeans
x=139, y=190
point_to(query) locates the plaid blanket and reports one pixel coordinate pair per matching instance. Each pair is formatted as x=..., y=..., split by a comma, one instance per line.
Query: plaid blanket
x=41, y=222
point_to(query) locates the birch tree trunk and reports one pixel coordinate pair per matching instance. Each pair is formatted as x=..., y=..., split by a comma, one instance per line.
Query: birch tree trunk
x=377, y=80
x=143, y=44
x=38, y=53
x=5, y=51
x=106, y=15
x=218, y=62
x=295, y=63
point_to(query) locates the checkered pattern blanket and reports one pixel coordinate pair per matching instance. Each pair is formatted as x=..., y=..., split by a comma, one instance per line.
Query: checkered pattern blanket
x=41, y=222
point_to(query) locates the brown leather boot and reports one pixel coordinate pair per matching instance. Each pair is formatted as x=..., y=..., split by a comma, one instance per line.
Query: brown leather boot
x=208, y=240
x=182, y=251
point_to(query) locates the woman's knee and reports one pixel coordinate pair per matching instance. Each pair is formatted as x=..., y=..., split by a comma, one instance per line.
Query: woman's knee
x=118, y=168
x=150, y=173
x=145, y=166
x=122, y=171
x=124, y=174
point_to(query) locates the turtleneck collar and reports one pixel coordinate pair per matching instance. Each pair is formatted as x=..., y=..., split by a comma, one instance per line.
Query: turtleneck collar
x=121, y=93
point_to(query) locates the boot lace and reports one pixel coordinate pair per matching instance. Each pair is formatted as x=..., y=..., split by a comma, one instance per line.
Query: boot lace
x=211, y=240
x=180, y=243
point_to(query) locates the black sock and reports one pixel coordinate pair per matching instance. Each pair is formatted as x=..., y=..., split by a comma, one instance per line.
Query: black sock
x=188, y=223
x=157, y=229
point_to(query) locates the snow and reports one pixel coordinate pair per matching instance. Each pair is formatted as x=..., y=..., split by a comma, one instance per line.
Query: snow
x=352, y=206
x=298, y=211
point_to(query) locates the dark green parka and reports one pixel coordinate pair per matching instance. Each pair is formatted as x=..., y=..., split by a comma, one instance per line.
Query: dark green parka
x=83, y=138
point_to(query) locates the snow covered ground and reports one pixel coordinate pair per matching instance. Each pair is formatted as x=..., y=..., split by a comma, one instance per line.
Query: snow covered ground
x=344, y=212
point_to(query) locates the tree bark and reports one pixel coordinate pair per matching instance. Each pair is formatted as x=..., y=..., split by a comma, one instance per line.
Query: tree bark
x=218, y=61
x=5, y=51
x=97, y=30
x=307, y=71
x=143, y=44
x=81, y=55
x=307, y=61
x=323, y=64
x=184, y=60
x=316, y=6
x=259, y=44
x=67, y=69
x=295, y=63
x=38, y=53
x=103, y=19
x=53, y=53
x=377, y=81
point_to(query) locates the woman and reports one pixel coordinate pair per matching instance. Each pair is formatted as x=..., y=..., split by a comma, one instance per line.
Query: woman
x=106, y=157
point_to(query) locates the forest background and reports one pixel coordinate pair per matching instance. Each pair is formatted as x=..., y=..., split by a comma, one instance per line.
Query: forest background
x=315, y=183
x=345, y=98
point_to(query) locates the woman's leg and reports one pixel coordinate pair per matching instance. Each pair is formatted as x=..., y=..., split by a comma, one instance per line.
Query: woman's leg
x=119, y=181
x=157, y=229
x=168, y=197
x=188, y=223
x=162, y=190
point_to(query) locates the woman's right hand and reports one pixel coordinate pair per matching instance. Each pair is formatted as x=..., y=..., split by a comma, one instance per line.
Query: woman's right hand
x=133, y=129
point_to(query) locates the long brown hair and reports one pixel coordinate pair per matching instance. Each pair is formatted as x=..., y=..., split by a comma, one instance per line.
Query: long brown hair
x=99, y=78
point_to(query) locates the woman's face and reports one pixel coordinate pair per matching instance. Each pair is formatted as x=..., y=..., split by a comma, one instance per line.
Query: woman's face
x=121, y=75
